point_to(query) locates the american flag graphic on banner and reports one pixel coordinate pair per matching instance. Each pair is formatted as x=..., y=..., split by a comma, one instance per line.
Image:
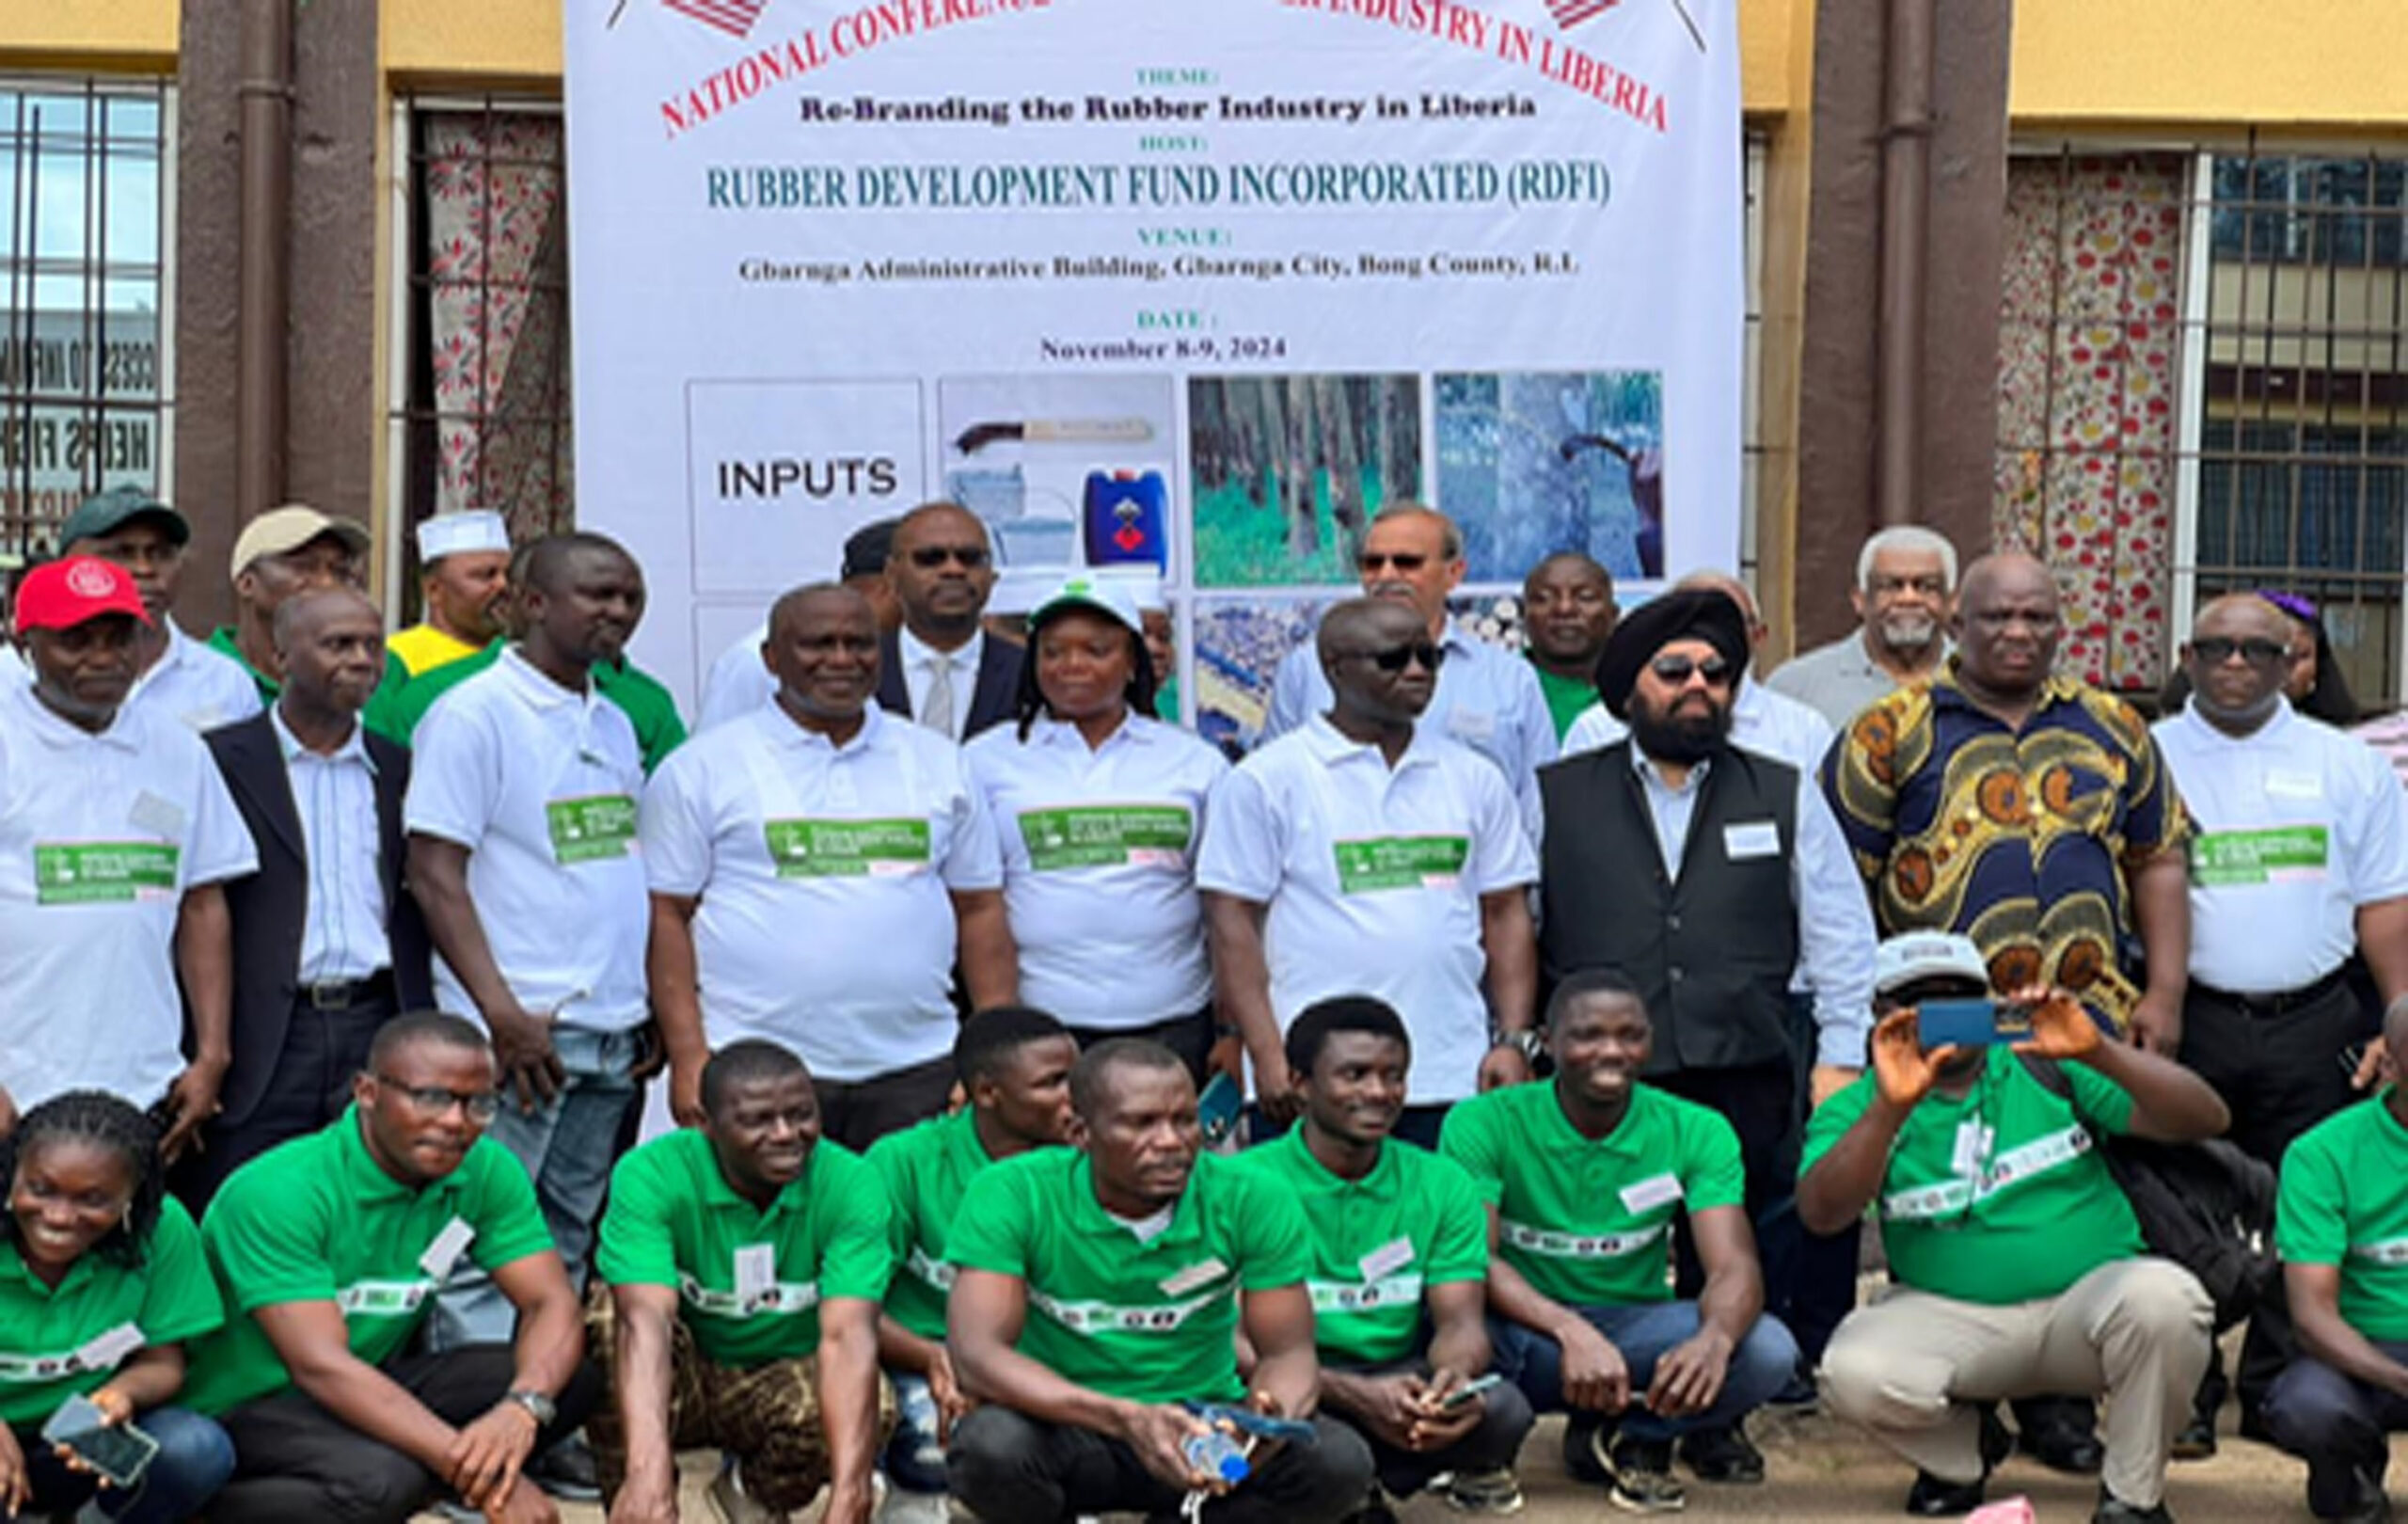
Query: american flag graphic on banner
x=734, y=17
x=1569, y=13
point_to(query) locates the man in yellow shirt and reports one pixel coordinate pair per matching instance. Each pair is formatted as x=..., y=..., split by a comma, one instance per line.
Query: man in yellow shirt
x=465, y=562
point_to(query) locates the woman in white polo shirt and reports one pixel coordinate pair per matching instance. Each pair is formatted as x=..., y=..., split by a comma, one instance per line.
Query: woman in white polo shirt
x=1100, y=807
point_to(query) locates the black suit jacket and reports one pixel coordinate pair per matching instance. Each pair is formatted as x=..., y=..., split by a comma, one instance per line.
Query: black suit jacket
x=268, y=907
x=991, y=703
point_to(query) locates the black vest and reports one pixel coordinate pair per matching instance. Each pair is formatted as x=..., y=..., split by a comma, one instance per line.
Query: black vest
x=1712, y=951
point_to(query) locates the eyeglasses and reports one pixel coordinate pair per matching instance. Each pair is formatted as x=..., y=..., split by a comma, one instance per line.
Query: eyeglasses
x=1677, y=669
x=433, y=1101
x=1929, y=587
x=1411, y=561
x=2215, y=650
x=930, y=557
x=1397, y=657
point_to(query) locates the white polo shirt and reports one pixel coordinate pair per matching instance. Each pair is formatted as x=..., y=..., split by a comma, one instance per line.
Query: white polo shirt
x=826, y=875
x=2298, y=825
x=1099, y=849
x=1374, y=877
x=1487, y=698
x=739, y=683
x=100, y=837
x=198, y=688
x=541, y=786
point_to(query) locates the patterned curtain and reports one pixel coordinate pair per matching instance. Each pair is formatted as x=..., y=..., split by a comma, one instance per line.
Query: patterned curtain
x=496, y=295
x=2087, y=343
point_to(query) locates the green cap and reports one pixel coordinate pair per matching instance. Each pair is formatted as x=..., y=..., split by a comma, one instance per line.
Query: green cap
x=112, y=510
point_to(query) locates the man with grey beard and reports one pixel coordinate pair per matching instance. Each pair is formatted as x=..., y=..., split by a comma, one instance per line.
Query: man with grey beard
x=1906, y=581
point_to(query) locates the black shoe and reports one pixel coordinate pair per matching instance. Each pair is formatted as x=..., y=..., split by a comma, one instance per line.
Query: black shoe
x=2366, y=1502
x=2113, y=1510
x=1584, y=1438
x=1931, y=1498
x=2253, y=1426
x=1723, y=1455
x=566, y=1471
x=2062, y=1447
x=1996, y=1442
x=1642, y=1476
x=2198, y=1440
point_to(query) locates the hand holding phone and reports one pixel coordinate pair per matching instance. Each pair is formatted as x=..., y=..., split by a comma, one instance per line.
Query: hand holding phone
x=1961, y=1023
x=118, y=1453
x=1469, y=1390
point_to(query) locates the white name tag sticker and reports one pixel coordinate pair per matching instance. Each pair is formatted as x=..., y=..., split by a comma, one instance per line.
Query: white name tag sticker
x=2287, y=785
x=444, y=1251
x=1972, y=1147
x=1750, y=839
x=756, y=1271
x=1651, y=1193
x=104, y=1353
x=1387, y=1259
x=161, y=818
x=1195, y=1276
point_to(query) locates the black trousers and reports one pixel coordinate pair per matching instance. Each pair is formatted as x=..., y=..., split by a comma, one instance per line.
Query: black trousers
x=294, y=1460
x=1015, y=1470
x=1493, y=1445
x=1190, y=1037
x=1760, y=1102
x=2282, y=1065
x=856, y=1112
x=306, y=1088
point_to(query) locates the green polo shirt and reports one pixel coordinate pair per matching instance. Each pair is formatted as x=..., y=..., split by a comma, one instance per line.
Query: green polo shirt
x=1148, y=1320
x=927, y=1170
x=1589, y=1223
x=1378, y=1243
x=2345, y=1202
x=316, y=1220
x=750, y=1283
x=1997, y=1196
x=1567, y=698
x=377, y=716
x=647, y=705
x=57, y=1343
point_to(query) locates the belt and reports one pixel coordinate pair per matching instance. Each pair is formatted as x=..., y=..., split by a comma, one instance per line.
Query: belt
x=343, y=995
x=2279, y=1003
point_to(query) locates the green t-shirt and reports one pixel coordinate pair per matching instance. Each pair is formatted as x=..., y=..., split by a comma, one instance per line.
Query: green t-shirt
x=317, y=1220
x=2344, y=1202
x=750, y=1283
x=1567, y=698
x=647, y=705
x=55, y=1344
x=1999, y=1195
x=1152, y=1320
x=377, y=716
x=1589, y=1223
x=927, y=1170
x=1378, y=1243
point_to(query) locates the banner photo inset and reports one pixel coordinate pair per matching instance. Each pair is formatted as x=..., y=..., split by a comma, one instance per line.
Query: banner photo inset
x=1152, y=283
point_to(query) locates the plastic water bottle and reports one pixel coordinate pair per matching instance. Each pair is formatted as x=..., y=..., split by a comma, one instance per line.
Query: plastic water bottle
x=1217, y=1454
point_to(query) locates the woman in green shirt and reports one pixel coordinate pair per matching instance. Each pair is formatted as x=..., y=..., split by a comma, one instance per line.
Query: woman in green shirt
x=102, y=1281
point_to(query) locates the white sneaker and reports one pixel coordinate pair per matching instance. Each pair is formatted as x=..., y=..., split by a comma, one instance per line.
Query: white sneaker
x=914, y=1508
x=728, y=1501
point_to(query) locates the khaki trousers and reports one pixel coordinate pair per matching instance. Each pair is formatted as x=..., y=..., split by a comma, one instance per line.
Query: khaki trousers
x=1907, y=1367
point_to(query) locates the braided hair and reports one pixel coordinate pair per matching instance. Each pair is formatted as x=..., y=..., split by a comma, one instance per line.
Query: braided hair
x=98, y=1117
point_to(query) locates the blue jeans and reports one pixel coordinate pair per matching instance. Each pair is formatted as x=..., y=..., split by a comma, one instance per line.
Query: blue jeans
x=195, y=1458
x=914, y=1459
x=1761, y=1366
x=568, y=1146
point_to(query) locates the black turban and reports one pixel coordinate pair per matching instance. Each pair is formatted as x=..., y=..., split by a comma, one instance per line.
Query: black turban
x=1692, y=614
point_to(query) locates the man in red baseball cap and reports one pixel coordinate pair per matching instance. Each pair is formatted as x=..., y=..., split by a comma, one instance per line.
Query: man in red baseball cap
x=117, y=835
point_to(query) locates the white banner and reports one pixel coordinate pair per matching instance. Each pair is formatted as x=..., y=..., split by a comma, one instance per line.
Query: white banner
x=1198, y=282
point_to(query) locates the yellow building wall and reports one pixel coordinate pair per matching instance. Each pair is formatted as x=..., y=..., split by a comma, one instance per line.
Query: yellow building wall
x=137, y=36
x=2331, y=66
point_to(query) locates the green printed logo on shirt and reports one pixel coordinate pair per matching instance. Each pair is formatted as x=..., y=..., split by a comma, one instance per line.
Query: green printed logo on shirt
x=100, y=872
x=1376, y=862
x=2269, y=856
x=591, y=829
x=1107, y=835
x=847, y=848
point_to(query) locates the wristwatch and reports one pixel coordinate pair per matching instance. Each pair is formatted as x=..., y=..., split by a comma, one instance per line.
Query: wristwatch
x=540, y=1407
x=1527, y=1042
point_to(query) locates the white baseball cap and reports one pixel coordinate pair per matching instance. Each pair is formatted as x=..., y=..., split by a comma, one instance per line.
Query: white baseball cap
x=1901, y=960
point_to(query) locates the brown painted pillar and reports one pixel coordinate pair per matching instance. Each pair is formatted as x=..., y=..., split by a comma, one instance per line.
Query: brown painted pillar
x=1839, y=437
x=329, y=425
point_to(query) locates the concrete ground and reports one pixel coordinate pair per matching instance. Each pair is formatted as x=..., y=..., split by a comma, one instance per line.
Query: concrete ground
x=1820, y=1469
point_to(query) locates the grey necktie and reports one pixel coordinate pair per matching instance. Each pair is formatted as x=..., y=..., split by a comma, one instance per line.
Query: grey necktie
x=935, y=709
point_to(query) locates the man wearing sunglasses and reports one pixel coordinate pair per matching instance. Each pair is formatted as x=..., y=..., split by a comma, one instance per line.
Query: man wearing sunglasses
x=1707, y=873
x=1368, y=854
x=331, y=1248
x=2301, y=856
x=1486, y=697
x=939, y=670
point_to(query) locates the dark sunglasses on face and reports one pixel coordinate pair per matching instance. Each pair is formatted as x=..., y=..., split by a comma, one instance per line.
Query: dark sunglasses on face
x=480, y=1105
x=1676, y=668
x=1397, y=657
x=1371, y=561
x=930, y=557
x=2215, y=650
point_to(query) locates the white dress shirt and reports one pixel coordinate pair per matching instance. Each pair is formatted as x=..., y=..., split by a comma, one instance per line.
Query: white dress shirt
x=1487, y=698
x=195, y=686
x=920, y=661
x=343, y=922
x=1766, y=722
x=738, y=682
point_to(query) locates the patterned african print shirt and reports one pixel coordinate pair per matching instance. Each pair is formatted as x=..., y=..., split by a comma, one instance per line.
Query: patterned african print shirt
x=2019, y=839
